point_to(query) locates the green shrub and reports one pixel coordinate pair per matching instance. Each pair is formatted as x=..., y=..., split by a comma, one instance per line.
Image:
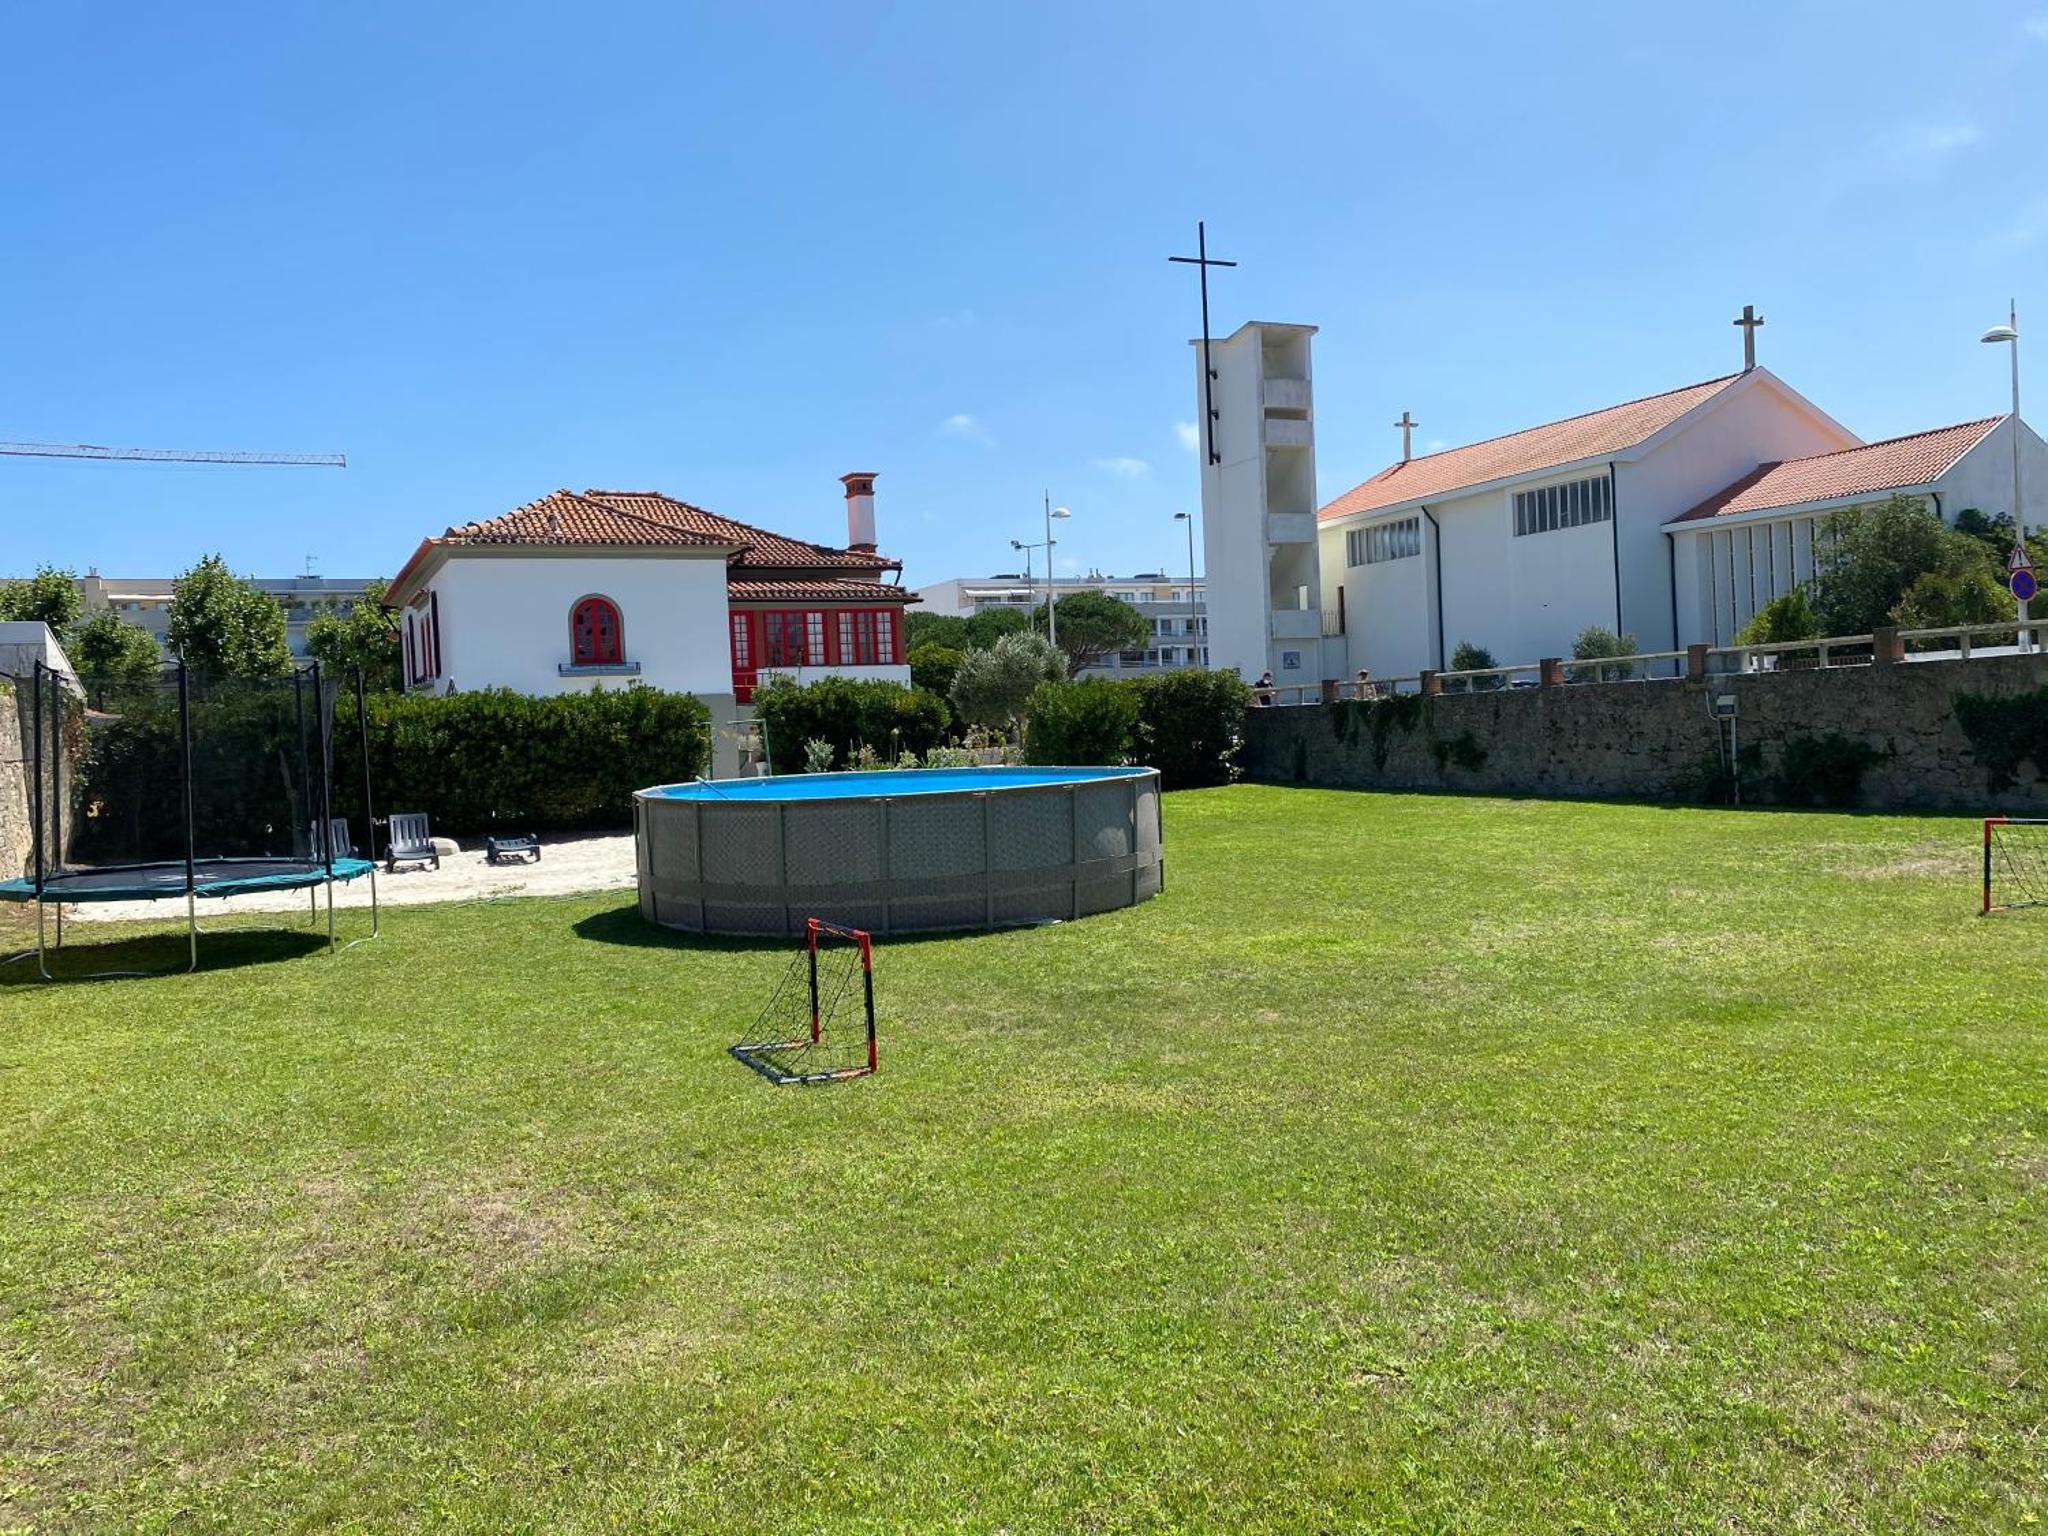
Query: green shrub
x=1824, y=770
x=1598, y=643
x=1468, y=657
x=1790, y=617
x=932, y=668
x=1091, y=721
x=1191, y=727
x=477, y=762
x=849, y=713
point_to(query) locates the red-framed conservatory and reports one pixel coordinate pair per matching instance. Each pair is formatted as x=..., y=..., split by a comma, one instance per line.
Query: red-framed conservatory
x=781, y=638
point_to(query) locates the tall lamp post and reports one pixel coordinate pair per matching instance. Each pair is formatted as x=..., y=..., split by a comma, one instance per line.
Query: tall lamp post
x=1052, y=627
x=1194, y=645
x=2010, y=333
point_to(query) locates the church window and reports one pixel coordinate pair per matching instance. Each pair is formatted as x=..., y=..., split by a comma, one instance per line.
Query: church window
x=596, y=637
x=1388, y=541
x=1571, y=505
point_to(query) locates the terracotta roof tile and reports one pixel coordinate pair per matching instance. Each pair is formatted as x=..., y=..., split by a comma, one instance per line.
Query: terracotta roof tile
x=1891, y=465
x=840, y=591
x=1520, y=453
x=758, y=546
x=563, y=517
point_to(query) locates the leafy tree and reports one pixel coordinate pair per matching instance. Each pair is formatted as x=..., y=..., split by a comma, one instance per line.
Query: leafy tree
x=984, y=629
x=1093, y=625
x=48, y=597
x=109, y=649
x=932, y=667
x=1790, y=617
x=1870, y=556
x=365, y=637
x=1995, y=534
x=1471, y=658
x=222, y=626
x=1938, y=599
x=994, y=687
x=948, y=629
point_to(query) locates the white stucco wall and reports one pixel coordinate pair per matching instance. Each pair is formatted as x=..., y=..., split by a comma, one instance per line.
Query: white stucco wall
x=505, y=620
x=1389, y=608
x=1982, y=478
x=1756, y=422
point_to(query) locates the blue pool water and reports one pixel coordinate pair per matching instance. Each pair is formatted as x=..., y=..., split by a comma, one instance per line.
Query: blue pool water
x=891, y=782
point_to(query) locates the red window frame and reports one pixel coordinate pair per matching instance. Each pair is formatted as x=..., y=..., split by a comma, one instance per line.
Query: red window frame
x=777, y=638
x=597, y=632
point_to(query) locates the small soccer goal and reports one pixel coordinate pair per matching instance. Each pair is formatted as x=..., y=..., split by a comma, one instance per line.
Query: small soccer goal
x=819, y=1025
x=2015, y=863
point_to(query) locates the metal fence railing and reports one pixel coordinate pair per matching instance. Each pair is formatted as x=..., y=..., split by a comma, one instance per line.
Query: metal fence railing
x=1954, y=643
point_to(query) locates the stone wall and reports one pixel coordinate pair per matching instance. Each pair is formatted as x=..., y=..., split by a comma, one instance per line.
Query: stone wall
x=1658, y=740
x=14, y=790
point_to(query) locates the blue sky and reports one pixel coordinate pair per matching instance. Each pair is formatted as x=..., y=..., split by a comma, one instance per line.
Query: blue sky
x=734, y=252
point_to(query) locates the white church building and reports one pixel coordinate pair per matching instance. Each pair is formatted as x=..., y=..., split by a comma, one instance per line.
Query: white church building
x=1671, y=518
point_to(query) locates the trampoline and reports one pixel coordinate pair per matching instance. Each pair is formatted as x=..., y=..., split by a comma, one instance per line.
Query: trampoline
x=182, y=787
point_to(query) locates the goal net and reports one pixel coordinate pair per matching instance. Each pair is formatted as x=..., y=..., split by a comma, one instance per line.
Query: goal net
x=2015, y=863
x=819, y=1024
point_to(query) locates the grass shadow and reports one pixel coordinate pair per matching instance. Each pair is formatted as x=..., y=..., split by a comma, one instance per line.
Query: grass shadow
x=159, y=954
x=625, y=926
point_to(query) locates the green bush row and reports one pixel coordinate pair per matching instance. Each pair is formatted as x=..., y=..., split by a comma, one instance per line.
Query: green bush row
x=496, y=760
x=848, y=714
x=1187, y=724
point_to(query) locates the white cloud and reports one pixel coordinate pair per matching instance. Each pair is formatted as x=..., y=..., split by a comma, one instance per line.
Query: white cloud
x=1921, y=147
x=2036, y=26
x=967, y=429
x=1435, y=445
x=1125, y=468
x=1190, y=438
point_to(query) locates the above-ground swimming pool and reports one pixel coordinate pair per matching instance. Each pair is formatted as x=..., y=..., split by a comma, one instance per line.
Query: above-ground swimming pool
x=898, y=851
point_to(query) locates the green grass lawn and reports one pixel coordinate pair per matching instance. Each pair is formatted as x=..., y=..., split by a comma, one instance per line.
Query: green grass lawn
x=1412, y=1164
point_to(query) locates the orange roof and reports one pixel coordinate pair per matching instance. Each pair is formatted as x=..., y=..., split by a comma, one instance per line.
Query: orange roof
x=840, y=591
x=1520, y=453
x=1894, y=464
x=648, y=520
x=758, y=547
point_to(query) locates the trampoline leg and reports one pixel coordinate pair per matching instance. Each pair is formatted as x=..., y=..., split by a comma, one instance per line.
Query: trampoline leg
x=330, y=916
x=375, y=925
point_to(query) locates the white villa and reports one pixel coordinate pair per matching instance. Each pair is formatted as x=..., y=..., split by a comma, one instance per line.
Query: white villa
x=580, y=588
x=1672, y=518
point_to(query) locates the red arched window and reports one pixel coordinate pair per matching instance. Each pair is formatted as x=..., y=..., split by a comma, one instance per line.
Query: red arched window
x=596, y=638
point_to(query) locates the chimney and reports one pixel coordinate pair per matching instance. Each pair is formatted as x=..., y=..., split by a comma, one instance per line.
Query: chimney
x=860, y=510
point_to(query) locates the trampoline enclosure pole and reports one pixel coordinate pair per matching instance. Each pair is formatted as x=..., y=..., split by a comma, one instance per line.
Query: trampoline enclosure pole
x=185, y=774
x=36, y=690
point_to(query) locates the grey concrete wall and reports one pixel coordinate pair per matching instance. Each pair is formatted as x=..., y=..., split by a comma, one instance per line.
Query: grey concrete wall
x=1656, y=740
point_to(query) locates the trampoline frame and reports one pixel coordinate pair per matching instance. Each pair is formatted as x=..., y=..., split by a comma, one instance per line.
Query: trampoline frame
x=52, y=823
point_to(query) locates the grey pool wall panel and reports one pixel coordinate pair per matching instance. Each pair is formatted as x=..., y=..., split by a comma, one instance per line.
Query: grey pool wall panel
x=911, y=863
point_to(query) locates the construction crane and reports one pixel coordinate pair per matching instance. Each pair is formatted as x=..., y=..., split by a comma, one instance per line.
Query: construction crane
x=170, y=455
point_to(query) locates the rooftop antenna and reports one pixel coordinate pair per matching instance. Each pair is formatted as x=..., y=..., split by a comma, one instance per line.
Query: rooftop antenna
x=1202, y=261
x=1749, y=320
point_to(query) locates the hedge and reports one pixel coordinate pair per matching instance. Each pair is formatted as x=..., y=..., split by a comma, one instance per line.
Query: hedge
x=849, y=713
x=1188, y=724
x=496, y=760
x=1191, y=727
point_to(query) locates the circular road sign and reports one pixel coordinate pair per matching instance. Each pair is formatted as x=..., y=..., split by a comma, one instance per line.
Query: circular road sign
x=2023, y=584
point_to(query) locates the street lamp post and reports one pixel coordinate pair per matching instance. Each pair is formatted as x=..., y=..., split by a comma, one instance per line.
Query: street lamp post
x=1052, y=627
x=1194, y=649
x=2010, y=334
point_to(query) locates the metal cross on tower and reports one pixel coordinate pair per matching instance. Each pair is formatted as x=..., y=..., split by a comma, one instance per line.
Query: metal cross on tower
x=1407, y=427
x=1201, y=261
x=1749, y=320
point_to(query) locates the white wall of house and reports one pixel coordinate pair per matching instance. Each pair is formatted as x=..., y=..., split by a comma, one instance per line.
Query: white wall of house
x=1757, y=422
x=505, y=620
